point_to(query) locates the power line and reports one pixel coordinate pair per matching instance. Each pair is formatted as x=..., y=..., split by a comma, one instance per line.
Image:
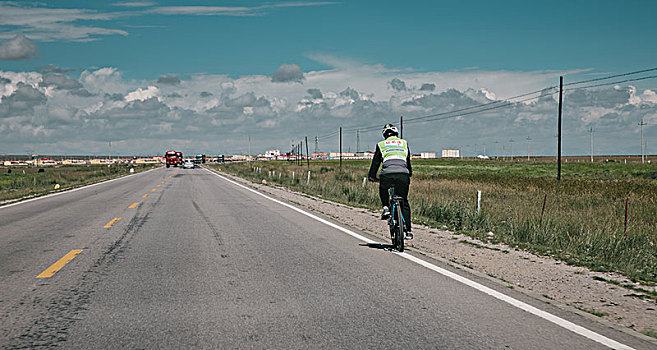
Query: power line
x=504, y=102
x=507, y=100
x=611, y=76
x=612, y=83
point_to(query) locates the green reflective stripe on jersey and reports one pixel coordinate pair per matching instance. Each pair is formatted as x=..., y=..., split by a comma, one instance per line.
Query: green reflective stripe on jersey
x=393, y=148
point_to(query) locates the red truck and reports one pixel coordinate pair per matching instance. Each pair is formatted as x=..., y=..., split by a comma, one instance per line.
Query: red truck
x=180, y=158
x=171, y=158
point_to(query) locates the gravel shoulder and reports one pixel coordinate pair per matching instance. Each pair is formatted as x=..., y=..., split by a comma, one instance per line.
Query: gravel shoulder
x=607, y=297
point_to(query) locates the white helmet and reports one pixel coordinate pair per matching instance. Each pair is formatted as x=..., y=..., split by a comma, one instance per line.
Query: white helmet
x=389, y=130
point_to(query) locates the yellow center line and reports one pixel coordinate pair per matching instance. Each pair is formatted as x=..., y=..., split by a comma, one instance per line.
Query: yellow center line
x=162, y=182
x=144, y=196
x=50, y=271
x=158, y=185
x=112, y=222
x=153, y=190
x=134, y=205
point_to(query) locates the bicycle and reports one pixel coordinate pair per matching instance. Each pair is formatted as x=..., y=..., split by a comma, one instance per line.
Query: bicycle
x=396, y=220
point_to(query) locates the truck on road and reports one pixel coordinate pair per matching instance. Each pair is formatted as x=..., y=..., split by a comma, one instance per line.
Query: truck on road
x=173, y=158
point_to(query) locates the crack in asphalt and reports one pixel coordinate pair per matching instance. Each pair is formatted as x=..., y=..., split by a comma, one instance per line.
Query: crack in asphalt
x=50, y=328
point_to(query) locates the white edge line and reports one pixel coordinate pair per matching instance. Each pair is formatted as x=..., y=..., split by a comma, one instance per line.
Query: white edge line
x=73, y=189
x=503, y=297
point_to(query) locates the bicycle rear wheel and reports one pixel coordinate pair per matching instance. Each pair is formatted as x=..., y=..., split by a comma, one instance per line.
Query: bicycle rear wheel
x=400, y=228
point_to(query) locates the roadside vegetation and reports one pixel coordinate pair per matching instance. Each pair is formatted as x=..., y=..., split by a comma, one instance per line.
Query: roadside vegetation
x=22, y=182
x=582, y=221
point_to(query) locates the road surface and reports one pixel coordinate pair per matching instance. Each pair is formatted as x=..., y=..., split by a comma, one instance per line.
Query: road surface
x=175, y=258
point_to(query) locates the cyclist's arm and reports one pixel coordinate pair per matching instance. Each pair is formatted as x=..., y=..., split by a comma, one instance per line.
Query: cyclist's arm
x=408, y=163
x=376, y=162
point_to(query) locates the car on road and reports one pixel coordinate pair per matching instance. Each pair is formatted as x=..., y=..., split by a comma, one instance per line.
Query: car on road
x=188, y=164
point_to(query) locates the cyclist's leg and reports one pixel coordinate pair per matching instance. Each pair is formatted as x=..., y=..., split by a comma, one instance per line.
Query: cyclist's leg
x=402, y=184
x=384, y=185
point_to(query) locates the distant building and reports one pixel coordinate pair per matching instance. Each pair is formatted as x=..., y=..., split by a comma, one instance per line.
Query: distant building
x=73, y=161
x=365, y=155
x=237, y=157
x=152, y=160
x=319, y=155
x=336, y=155
x=451, y=153
x=15, y=163
x=428, y=155
x=272, y=153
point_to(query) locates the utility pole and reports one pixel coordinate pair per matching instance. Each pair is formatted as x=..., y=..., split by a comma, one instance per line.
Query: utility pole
x=401, y=126
x=591, y=134
x=559, y=129
x=497, y=152
x=642, y=145
x=357, y=140
x=110, y=147
x=316, y=142
x=340, y=148
x=528, y=141
x=249, y=157
x=307, y=157
x=511, y=148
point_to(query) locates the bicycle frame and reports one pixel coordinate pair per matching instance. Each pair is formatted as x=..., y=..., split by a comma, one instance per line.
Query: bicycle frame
x=396, y=220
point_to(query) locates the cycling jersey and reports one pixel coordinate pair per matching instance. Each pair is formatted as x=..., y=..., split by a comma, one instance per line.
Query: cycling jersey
x=395, y=155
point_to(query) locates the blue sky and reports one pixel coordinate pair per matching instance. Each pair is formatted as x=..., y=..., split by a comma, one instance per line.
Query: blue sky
x=367, y=60
x=613, y=36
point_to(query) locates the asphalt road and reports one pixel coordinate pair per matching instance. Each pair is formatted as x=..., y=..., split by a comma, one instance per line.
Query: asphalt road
x=203, y=263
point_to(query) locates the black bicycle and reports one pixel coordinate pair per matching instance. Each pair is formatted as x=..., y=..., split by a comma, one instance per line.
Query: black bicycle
x=396, y=220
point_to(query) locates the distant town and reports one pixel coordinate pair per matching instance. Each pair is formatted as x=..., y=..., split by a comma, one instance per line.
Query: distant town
x=273, y=154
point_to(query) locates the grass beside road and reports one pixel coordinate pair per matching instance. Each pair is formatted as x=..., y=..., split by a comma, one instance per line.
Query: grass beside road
x=583, y=222
x=29, y=182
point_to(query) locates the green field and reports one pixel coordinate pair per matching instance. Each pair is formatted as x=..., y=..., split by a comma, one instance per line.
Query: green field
x=28, y=181
x=582, y=223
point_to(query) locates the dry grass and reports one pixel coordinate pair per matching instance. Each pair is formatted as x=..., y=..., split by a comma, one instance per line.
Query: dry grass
x=24, y=182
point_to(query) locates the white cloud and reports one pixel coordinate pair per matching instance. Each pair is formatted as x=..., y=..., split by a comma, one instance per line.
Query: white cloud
x=203, y=10
x=649, y=96
x=143, y=94
x=18, y=48
x=231, y=10
x=49, y=24
x=135, y=4
x=287, y=73
x=272, y=113
x=105, y=80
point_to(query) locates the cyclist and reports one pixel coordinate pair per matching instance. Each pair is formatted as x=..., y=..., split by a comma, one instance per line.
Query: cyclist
x=395, y=155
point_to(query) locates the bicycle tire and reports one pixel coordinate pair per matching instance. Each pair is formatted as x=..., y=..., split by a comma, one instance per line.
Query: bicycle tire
x=400, y=228
x=391, y=224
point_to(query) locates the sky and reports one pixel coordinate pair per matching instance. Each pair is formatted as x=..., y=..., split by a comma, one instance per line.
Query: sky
x=208, y=76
